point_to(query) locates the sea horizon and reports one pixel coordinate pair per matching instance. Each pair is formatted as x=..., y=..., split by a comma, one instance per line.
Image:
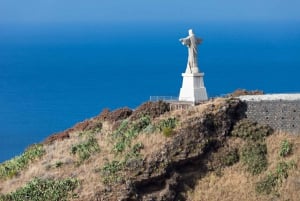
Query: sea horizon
x=53, y=76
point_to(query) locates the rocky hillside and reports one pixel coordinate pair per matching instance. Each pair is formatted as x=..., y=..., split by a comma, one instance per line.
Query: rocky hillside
x=207, y=152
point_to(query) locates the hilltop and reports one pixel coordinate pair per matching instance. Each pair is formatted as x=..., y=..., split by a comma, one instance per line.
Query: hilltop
x=207, y=152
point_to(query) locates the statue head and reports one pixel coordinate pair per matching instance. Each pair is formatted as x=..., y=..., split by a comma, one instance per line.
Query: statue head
x=191, y=32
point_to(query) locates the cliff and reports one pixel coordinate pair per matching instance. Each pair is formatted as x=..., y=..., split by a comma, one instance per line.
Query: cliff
x=207, y=152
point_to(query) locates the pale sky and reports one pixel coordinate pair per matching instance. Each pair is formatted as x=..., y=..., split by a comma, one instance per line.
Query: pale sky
x=99, y=11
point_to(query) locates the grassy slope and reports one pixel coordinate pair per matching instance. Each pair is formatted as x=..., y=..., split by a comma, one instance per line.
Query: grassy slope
x=87, y=172
x=60, y=152
x=235, y=183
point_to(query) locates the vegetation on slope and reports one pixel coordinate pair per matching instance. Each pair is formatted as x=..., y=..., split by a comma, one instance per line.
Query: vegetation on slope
x=127, y=153
x=154, y=153
x=14, y=166
x=85, y=149
x=253, y=154
x=279, y=180
x=43, y=189
x=92, y=152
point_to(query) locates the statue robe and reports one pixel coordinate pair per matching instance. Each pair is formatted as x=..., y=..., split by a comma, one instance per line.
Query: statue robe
x=191, y=42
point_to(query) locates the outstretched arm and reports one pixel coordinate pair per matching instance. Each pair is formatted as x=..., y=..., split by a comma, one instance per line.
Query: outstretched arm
x=185, y=41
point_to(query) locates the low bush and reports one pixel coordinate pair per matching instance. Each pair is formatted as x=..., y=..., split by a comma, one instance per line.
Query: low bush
x=44, y=189
x=134, y=152
x=167, y=123
x=249, y=130
x=141, y=124
x=231, y=158
x=122, y=137
x=282, y=170
x=12, y=167
x=267, y=184
x=254, y=157
x=167, y=132
x=110, y=172
x=285, y=148
x=119, y=147
x=274, y=179
x=127, y=131
x=85, y=149
x=166, y=126
x=150, y=129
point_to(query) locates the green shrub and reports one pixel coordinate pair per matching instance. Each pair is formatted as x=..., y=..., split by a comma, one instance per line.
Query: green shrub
x=167, y=123
x=127, y=131
x=266, y=185
x=141, y=124
x=119, y=132
x=119, y=147
x=43, y=189
x=282, y=170
x=12, y=167
x=274, y=179
x=166, y=126
x=286, y=148
x=110, y=171
x=85, y=149
x=134, y=152
x=231, y=158
x=249, y=130
x=254, y=157
x=124, y=140
x=123, y=148
x=168, y=132
x=112, y=167
x=150, y=129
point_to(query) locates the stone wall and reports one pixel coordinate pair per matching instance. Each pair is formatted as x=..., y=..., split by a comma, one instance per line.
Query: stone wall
x=281, y=115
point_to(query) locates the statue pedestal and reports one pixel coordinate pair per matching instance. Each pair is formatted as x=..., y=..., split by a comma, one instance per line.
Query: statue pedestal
x=193, y=89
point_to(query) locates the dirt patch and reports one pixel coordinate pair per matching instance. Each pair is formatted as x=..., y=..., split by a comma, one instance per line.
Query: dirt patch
x=116, y=115
x=92, y=124
x=152, y=109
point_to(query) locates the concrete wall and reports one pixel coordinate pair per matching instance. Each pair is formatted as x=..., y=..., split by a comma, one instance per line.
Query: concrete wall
x=279, y=114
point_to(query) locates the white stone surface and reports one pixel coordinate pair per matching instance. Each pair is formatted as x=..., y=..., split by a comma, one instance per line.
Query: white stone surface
x=270, y=97
x=193, y=89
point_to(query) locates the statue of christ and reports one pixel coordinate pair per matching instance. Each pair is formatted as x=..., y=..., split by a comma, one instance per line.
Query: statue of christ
x=191, y=42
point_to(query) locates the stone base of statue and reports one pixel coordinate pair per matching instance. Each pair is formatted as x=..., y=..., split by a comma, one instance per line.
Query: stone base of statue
x=193, y=89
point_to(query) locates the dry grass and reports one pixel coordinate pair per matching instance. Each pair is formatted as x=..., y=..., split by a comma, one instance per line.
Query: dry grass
x=88, y=172
x=60, y=151
x=152, y=143
x=237, y=184
x=234, y=184
x=290, y=189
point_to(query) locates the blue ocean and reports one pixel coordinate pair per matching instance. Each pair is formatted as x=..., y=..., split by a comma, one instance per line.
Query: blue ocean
x=53, y=76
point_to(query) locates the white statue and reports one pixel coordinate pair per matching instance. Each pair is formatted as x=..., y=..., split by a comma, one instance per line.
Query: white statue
x=191, y=42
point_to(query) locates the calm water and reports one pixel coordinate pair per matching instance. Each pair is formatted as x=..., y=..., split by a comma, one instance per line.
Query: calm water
x=54, y=76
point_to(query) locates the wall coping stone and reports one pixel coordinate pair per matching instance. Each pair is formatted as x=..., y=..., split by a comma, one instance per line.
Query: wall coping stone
x=271, y=97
